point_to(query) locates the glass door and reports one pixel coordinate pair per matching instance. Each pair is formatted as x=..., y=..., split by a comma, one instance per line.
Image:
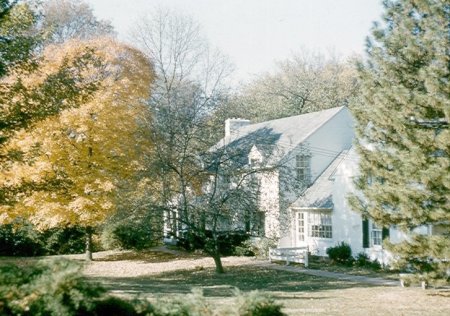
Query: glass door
x=300, y=231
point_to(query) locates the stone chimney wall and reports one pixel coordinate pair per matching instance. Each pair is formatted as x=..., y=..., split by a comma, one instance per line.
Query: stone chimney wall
x=233, y=124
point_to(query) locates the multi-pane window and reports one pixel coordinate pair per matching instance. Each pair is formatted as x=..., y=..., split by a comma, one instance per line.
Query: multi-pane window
x=301, y=226
x=259, y=223
x=303, y=168
x=320, y=225
x=377, y=235
x=254, y=222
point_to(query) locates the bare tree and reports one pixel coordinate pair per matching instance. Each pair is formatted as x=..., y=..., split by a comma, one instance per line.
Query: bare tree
x=305, y=83
x=188, y=91
x=69, y=19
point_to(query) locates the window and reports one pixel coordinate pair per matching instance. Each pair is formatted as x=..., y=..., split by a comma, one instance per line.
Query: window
x=320, y=225
x=254, y=161
x=254, y=223
x=303, y=169
x=258, y=227
x=301, y=226
x=377, y=237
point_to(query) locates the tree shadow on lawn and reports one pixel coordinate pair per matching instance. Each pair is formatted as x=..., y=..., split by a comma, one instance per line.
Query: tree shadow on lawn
x=245, y=278
x=150, y=256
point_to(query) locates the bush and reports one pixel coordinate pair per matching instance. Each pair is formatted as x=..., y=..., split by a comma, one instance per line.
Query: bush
x=129, y=237
x=133, y=232
x=186, y=305
x=52, y=288
x=259, y=246
x=23, y=239
x=246, y=304
x=244, y=250
x=57, y=288
x=64, y=240
x=228, y=242
x=341, y=254
x=114, y=306
x=20, y=239
x=363, y=260
x=257, y=304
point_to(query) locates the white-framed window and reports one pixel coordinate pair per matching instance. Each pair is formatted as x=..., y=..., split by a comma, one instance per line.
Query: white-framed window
x=320, y=225
x=303, y=170
x=301, y=226
x=377, y=235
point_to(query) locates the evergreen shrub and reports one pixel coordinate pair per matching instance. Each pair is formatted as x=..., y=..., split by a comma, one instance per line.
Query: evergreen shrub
x=56, y=287
x=20, y=239
x=64, y=240
x=227, y=241
x=131, y=237
x=256, y=303
x=257, y=246
x=132, y=232
x=48, y=288
x=362, y=260
x=342, y=253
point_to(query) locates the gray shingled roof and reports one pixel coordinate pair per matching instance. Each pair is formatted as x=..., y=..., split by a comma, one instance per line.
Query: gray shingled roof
x=282, y=134
x=319, y=194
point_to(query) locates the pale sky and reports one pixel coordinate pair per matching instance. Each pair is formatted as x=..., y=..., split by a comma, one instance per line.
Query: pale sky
x=256, y=33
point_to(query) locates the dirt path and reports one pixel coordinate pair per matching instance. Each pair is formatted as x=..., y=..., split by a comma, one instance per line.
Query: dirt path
x=331, y=275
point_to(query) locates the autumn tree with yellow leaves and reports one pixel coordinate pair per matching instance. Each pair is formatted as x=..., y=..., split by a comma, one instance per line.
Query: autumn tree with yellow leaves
x=70, y=163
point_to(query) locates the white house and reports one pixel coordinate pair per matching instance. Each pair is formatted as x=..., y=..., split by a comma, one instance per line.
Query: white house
x=305, y=199
x=295, y=197
x=362, y=235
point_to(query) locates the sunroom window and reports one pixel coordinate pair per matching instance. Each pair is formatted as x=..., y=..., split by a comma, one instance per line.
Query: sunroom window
x=320, y=225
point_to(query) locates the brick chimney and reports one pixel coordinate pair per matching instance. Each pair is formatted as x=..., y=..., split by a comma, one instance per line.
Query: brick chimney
x=233, y=124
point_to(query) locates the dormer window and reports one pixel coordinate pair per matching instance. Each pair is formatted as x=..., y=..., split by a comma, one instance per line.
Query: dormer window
x=303, y=168
x=254, y=162
x=254, y=157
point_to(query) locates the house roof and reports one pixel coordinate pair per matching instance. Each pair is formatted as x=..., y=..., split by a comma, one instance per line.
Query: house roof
x=319, y=194
x=276, y=138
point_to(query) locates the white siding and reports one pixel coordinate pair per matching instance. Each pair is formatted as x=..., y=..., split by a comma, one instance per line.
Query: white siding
x=270, y=203
x=347, y=223
x=330, y=140
x=324, y=145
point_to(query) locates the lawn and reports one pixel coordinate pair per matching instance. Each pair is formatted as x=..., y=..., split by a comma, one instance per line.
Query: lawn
x=300, y=294
x=321, y=263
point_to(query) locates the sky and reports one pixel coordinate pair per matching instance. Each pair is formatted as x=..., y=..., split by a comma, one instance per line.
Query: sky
x=254, y=34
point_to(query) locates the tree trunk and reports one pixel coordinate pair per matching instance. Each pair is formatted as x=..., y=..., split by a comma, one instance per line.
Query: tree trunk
x=88, y=243
x=215, y=253
x=218, y=262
